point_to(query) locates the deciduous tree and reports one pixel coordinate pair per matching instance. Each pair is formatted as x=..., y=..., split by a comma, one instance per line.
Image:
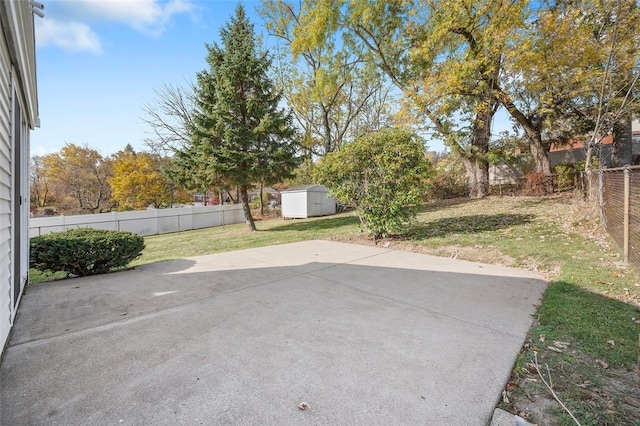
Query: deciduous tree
x=445, y=56
x=170, y=116
x=40, y=188
x=334, y=92
x=572, y=72
x=138, y=181
x=80, y=175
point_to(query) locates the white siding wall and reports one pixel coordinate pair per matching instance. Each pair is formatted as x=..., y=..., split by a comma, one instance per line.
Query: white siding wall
x=294, y=205
x=328, y=204
x=303, y=203
x=5, y=194
x=17, y=86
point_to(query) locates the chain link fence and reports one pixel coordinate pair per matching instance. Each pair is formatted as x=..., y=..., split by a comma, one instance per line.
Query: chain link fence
x=617, y=192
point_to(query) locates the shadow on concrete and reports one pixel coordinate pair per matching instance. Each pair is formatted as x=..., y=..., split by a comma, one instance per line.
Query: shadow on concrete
x=381, y=338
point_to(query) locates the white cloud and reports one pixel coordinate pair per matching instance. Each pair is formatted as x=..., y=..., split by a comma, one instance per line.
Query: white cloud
x=147, y=16
x=71, y=36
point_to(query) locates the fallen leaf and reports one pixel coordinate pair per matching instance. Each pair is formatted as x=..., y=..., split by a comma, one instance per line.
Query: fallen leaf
x=553, y=348
x=304, y=406
x=560, y=344
x=505, y=397
x=602, y=363
x=611, y=342
x=631, y=402
x=123, y=314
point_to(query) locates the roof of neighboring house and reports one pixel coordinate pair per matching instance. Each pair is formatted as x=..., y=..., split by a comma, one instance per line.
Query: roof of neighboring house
x=576, y=144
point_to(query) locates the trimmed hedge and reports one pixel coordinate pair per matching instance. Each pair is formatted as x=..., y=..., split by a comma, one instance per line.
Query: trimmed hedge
x=84, y=251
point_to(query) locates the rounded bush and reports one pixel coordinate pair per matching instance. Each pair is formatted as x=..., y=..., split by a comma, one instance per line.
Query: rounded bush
x=84, y=251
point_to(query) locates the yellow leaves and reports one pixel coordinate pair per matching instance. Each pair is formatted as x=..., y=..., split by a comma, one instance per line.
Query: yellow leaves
x=316, y=25
x=137, y=182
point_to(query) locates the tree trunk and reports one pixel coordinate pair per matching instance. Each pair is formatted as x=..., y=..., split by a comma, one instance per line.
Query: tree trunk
x=233, y=200
x=482, y=178
x=261, y=203
x=539, y=154
x=532, y=132
x=244, y=195
x=621, y=149
x=477, y=177
x=479, y=167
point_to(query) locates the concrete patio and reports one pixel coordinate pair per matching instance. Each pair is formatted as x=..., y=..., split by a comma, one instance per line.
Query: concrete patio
x=363, y=335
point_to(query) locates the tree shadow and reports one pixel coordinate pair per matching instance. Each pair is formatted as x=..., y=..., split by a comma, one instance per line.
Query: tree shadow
x=440, y=205
x=473, y=224
x=317, y=224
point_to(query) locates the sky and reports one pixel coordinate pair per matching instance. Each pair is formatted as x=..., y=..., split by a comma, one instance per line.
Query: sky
x=99, y=62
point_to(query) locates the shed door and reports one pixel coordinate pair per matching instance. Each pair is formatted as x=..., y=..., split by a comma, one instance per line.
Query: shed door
x=315, y=204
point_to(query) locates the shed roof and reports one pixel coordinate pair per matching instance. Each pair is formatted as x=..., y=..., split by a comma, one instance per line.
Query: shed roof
x=307, y=188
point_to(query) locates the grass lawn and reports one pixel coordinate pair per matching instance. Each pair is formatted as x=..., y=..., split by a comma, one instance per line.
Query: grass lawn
x=587, y=328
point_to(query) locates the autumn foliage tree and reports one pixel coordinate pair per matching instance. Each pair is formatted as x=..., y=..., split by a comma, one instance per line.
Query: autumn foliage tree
x=445, y=57
x=41, y=189
x=334, y=93
x=138, y=181
x=79, y=176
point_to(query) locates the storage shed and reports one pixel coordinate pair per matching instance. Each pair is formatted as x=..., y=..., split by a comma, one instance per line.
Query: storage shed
x=307, y=201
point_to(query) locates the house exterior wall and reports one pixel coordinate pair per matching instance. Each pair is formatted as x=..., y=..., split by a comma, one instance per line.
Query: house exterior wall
x=505, y=174
x=576, y=155
x=6, y=311
x=18, y=114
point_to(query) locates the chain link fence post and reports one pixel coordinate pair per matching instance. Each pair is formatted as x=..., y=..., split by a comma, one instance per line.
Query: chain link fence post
x=627, y=201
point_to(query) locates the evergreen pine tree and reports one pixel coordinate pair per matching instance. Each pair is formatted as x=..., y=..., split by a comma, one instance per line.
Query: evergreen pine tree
x=242, y=136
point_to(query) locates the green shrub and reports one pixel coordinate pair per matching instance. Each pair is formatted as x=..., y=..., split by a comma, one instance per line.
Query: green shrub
x=446, y=184
x=566, y=173
x=84, y=251
x=382, y=175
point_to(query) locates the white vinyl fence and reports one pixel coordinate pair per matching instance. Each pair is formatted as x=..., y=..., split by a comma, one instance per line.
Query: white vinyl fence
x=147, y=222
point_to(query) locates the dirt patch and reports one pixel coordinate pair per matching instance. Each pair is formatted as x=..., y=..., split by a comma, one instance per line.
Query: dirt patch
x=594, y=392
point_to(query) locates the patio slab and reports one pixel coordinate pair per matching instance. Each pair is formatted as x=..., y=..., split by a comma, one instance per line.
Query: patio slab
x=363, y=335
